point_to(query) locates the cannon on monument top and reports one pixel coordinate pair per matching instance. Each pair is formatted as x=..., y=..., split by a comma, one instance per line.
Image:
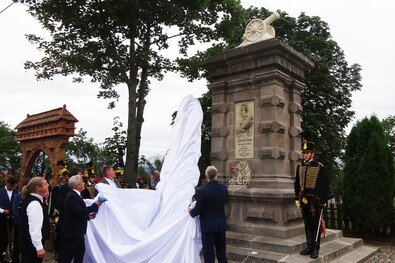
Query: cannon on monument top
x=258, y=30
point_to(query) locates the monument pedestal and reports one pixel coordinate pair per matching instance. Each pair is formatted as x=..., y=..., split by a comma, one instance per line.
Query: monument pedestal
x=264, y=212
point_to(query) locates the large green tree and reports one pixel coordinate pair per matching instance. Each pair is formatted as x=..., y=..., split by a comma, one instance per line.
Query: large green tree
x=81, y=149
x=116, y=144
x=326, y=100
x=121, y=43
x=368, y=177
x=83, y=152
x=10, y=152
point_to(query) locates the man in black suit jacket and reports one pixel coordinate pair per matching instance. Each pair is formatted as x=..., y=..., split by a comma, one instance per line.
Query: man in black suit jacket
x=210, y=206
x=7, y=195
x=76, y=215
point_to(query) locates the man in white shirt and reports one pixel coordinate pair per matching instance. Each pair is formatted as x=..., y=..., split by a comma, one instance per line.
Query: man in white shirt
x=34, y=220
x=109, y=177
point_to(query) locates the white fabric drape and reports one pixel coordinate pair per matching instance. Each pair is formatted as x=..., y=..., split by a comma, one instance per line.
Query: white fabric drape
x=138, y=225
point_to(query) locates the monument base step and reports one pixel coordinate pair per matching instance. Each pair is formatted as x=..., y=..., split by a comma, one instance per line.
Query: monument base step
x=359, y=255
x=334, y=248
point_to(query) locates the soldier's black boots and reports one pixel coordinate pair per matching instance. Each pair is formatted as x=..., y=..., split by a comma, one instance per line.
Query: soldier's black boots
x=306, y=251
x=314, y=253
x=309, y=243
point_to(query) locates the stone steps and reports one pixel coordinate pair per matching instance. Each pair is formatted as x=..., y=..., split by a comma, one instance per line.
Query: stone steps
x=334, y=248
x=359, y=255
x=279, y=245
x=241, y=254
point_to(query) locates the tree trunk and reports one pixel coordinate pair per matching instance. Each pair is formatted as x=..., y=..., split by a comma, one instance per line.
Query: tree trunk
x=142, y=92
x=131, y=146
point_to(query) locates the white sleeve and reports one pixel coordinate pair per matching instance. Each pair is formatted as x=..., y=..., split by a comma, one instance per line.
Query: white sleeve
x=35, y=219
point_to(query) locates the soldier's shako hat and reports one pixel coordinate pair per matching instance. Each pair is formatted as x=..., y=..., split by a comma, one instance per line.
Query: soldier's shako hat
x=308, y=146
x=60, y=162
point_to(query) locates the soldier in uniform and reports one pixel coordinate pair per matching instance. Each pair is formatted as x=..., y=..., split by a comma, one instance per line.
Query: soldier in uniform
x=312, y=191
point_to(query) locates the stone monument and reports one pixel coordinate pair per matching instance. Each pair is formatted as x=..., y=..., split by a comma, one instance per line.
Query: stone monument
x=256, y=140
x=256, y=130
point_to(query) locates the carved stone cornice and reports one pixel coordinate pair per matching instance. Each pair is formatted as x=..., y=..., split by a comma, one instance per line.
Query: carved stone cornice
x=222, y=155
x=294, y=131
x=219, y=108
x=219, y=132
x=272, y=153
x=272, y=126
x=295, y=108
x=274, y=100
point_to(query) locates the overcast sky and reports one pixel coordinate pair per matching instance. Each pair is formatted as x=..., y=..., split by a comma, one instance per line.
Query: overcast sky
x=363, y=29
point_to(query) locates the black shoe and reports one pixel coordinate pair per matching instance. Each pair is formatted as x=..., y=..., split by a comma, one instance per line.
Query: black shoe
x=306, y=251
x=314, y=253
x=3, y=257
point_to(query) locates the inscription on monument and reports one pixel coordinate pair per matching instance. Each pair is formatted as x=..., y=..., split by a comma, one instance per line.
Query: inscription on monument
x=244, y=130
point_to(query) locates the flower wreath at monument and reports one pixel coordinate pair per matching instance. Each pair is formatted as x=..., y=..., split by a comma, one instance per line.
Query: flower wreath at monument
x=241, y=174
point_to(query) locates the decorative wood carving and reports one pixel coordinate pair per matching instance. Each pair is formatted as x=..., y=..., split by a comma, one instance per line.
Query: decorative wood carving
x=48, y=132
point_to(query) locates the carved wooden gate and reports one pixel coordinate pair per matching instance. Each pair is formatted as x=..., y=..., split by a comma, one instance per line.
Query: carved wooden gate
x=47, y=132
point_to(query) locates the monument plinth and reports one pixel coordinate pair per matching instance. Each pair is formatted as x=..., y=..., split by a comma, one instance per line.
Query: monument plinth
x=256, y=122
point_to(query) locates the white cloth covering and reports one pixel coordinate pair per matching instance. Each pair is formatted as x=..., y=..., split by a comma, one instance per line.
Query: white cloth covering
x=138, y=225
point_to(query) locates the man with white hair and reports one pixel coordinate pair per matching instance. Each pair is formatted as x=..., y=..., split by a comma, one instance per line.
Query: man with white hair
x=76, y=216
x=210, y=206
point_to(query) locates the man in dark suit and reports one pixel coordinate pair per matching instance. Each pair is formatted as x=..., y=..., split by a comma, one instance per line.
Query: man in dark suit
x=7, y=195
x=210, y=206
x=109, y=177
x=76, y=215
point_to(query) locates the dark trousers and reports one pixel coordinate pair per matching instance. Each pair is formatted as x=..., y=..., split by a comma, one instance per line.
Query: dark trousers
x=214, y=243
x=30, y=256
x=6, y=225
x=16, y=251
x=57, y=237
x=72, y=248
x=311, y=221
x=3, y=233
